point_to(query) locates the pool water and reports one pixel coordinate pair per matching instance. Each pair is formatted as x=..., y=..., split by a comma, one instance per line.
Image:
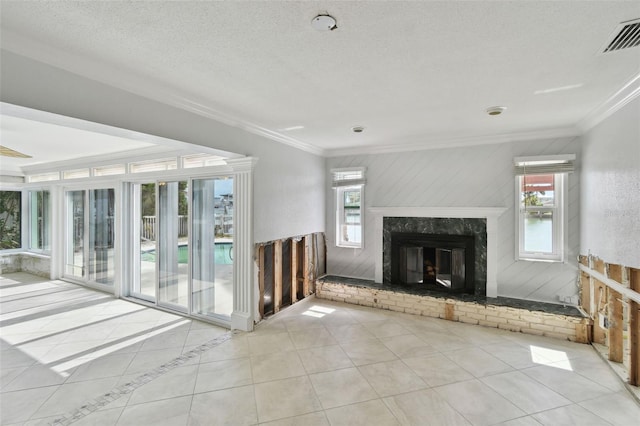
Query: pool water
x=223, y=254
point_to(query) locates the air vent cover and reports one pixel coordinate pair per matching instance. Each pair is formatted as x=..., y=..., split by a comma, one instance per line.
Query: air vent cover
x=626, y=35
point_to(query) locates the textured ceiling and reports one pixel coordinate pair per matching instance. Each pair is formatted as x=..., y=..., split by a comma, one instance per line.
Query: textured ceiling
x=412, y=73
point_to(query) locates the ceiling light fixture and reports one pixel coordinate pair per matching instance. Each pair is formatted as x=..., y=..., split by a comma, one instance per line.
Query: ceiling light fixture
x=357, y=129
x=496, y=110
x=324, y=23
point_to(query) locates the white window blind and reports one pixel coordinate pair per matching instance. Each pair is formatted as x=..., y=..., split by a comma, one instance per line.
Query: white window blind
x=348, y=177
x=544, y=164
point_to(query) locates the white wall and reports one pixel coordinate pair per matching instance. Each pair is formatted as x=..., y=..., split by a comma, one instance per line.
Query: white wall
x=480, y=176
x=288, y=183
x=610, y=198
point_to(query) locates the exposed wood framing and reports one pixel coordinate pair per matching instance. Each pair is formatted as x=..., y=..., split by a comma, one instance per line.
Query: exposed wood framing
x=261, y=279
x=302, y=258
x=294, y=271
x=307, y=266
x=613, y=291
x=277, y=279
x=634, y=328
x=616, y=326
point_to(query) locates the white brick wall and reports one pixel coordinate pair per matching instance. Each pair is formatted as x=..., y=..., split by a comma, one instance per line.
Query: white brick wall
x=503, y=317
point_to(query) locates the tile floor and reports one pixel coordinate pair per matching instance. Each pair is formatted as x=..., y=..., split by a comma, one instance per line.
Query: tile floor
x=315, y=363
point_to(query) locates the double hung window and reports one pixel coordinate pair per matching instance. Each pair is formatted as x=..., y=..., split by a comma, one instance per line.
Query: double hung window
x=349, y=188
x=541, y=186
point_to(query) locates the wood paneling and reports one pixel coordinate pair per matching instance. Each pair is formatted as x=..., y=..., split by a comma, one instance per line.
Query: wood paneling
x=479, y=176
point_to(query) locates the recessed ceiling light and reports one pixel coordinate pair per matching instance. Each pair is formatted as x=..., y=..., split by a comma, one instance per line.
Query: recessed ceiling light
x=496, y=110
x=357, y=129
x=324, y=23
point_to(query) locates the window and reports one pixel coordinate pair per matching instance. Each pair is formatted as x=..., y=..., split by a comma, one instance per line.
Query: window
x=541, y=184
x=39, y=220
x=10, y=220
x=349, y=187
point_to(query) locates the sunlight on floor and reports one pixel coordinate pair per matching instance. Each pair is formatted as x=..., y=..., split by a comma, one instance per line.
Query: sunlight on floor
x=550, y=357
x=317, y=311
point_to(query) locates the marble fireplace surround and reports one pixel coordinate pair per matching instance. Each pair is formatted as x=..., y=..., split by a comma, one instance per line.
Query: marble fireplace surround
x=491, y=214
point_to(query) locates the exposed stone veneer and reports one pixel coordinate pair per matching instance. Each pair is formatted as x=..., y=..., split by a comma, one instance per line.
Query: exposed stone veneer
x=503, y=317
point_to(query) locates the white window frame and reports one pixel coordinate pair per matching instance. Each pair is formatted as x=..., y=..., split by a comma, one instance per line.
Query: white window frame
x=559, y=166
x=46, y=226
x=348, y=180
x=341, y=214
x=559, y=222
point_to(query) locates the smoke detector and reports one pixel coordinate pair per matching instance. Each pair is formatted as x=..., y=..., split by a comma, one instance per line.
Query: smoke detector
x=324, y=23
x=496, y=110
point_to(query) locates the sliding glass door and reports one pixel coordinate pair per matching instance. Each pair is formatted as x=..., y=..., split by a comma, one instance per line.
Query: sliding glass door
x=212, y=253
x=90, y=232
x=173, y=244
x=183, y=245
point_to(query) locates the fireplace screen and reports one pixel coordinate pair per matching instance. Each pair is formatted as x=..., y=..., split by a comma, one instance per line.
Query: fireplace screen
x=436, y=262
x=434, y=266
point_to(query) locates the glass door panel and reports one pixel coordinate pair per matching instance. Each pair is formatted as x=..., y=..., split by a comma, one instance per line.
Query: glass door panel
x=101, y=233
x=74, y=254
x=212, y=252
x=172, y=244
x=144, y=284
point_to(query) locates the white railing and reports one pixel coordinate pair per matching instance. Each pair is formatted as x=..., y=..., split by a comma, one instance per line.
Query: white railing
x=223, y=224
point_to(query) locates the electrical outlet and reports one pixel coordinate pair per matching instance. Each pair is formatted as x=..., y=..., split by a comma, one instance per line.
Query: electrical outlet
x=603, y=321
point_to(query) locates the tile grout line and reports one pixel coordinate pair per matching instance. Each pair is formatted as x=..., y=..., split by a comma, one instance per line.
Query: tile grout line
x=94, y=404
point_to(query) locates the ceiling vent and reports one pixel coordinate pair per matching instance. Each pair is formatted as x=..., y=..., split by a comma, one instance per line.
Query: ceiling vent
x=627, y=35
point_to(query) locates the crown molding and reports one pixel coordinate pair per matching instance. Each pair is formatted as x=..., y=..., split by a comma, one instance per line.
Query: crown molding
x=433, y=142
x=628, y=92
x=144, y=86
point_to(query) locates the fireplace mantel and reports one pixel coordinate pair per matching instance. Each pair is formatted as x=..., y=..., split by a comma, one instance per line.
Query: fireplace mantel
x=491, y=214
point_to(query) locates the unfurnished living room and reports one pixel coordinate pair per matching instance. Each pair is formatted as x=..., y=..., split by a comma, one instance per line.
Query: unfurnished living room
x=320, y=213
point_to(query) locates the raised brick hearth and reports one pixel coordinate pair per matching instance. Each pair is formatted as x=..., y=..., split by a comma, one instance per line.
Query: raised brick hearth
x=508, y=314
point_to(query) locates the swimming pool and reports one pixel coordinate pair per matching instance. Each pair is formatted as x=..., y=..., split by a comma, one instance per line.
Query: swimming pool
x=223, y=254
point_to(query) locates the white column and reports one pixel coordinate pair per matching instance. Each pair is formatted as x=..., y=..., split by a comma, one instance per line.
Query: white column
x=242, y=315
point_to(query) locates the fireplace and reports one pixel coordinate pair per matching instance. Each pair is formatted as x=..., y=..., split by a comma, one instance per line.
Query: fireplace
x=438, y=262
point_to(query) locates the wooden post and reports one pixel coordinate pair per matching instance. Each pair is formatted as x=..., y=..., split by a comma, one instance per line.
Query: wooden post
x=585, y=292
x=294, y=271
x=616, y=326
x=600, y=299
x=307, y=266
x=261, y=280
x=634, y=330
x=277, y=276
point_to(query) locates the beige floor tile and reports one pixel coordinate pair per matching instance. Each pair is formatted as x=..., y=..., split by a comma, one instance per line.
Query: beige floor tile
x=167, y=412
x=350, y=333
x=437, y=370
x=524, y=392
x=70, y=396
x=424, y=408
x=327, y=358
x=369, y=351
x=362, y=414
x=618, y=408
x=19, y=406
x=342, y=387
x=312, y=419
x=285, y=398
x=391, y=378
x=567, y=383
x=478, y=362
x=571, y=415
x=275, y=366
x=407, y=346
x=261, y=344
x=312, y=338
x=223, y=374
x=478, y=403
x=175, y=383
x=236, y=406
